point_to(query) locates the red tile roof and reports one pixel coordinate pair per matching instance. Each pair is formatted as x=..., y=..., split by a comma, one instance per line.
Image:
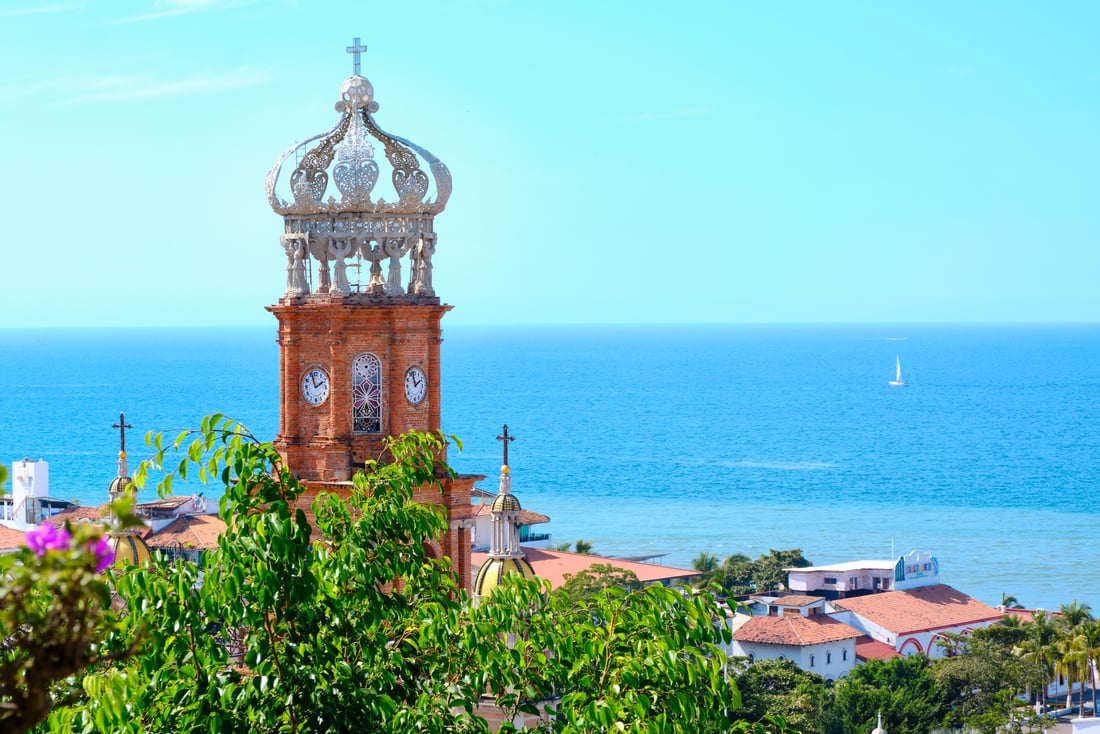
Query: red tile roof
x=916, y=610
x=871, y=649
x=553, y=565
x=190, y=531
x=93, y=514
x=525, y=517
x=11, y=539
x=795, y=630
x=796, y=600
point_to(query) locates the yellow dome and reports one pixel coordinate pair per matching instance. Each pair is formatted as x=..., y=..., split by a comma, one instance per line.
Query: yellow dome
x=492, y=572
x=120, y=485
x=128, y=549
x=505, y=503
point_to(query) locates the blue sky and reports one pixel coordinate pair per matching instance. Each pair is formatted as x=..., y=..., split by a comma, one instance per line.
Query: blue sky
x=613, y=162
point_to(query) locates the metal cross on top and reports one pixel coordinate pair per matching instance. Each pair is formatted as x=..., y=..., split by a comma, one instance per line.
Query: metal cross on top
x=122, y=425
x=505, y=439
x=355, y=49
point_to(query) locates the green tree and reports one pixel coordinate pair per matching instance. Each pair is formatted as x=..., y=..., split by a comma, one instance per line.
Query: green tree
x=984, y=677
x=599, y=664
x=280, y=631
x=1072, y=661
x=904, y=690
x=705, y=563
x=597, y=578
x=768, y=570
x=1039, y=647
x=583, y=547
x=779, y=688
x=735, y=574
x=349, y=624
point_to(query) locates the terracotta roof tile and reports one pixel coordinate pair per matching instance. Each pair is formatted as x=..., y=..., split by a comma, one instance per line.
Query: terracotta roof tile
x=797, y=600
x=553, y=565
x=11, y=539
x=190, y=531
x=90, y=514
x=923, y=608
x=795, y=630
x=525, y=517
x=868, y=648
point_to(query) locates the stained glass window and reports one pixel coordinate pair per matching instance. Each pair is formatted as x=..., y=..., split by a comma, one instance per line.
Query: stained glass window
x=366, y=399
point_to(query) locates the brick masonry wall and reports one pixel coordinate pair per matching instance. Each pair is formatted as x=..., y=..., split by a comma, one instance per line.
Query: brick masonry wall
x=318, y=442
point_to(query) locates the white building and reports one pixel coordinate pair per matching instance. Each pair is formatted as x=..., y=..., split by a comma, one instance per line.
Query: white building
x=842, y=580
x=817, y=644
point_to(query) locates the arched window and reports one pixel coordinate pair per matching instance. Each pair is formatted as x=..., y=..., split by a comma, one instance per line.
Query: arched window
x=843, y=654
x=828, y=658
x=366, y=393
x=811, y=661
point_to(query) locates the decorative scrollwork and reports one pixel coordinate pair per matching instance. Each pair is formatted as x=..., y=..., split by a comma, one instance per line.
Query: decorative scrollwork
x=355, y=173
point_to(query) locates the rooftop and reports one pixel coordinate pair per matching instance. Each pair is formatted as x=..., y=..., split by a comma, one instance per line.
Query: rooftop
x=11, y=539
x=553, y=565
x=868, y=648
x=915, y=610
x=797, y=630
x=190, y=531
x=849, y=566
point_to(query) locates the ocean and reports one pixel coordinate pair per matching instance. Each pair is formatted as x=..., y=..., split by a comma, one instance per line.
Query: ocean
x=675, y=439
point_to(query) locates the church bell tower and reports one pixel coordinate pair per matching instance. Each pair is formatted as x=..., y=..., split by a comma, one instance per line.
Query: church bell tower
x=359, y=322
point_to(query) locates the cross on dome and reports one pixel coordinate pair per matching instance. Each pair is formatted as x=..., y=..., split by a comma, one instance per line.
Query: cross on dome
x=505, y=439
x=122, y=482
x=122, y=425
x=355, y=49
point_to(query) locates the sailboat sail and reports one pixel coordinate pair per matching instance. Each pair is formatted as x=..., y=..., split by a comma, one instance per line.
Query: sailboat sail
x=897, y=381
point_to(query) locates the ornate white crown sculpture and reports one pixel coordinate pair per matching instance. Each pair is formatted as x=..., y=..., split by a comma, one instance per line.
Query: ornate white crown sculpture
x=325, y=236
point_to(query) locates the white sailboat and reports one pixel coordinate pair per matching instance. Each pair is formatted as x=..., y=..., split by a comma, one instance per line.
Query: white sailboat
x=897, y=381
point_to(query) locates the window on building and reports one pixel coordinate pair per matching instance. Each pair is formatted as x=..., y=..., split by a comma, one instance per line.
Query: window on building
x=830, y=579
x=811, y=661
x=843, y=654
x=828, y=658
x=752, y=658
x=853, y=583
x=366, y=398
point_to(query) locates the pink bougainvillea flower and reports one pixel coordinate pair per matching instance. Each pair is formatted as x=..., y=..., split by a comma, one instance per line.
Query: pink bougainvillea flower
x=46, y=537
x=104, y=554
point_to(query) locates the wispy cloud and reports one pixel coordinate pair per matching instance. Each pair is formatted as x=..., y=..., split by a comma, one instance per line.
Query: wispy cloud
x=123, y=88
x=40, y=9
x=172, y=8
x=680, y=114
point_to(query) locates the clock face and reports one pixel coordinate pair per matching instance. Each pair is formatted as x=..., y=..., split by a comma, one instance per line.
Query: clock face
x=416, y=385
x=315, y=386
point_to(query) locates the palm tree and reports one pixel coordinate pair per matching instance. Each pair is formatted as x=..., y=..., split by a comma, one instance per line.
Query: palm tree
x=705, y=562
x=1073, y=664
x=1090, y=643
x=1040, y=648
x=583, y=547
x=1010, y=602
x=1074, y=615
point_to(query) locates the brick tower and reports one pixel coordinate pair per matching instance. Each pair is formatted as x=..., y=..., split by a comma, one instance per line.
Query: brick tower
x=359, y=322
